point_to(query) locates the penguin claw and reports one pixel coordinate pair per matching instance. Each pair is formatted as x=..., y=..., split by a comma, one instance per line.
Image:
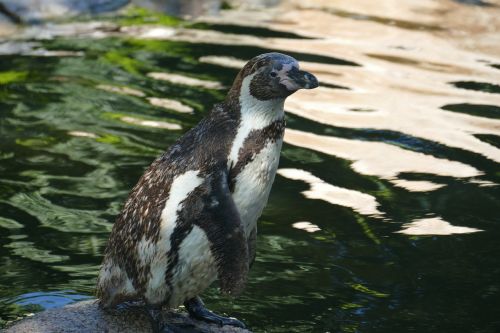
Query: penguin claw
x=213, y=318
x=231, y=322
x=197, y=310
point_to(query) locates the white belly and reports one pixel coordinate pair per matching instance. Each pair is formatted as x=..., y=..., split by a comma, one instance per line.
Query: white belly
x=253, y=184
x=195, y=270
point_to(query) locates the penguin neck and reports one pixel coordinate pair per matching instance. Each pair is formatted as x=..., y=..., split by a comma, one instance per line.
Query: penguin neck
x=253, y=115
x=256, y=113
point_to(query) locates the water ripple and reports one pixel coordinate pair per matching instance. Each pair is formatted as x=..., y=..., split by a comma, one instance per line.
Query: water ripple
x=398, y=148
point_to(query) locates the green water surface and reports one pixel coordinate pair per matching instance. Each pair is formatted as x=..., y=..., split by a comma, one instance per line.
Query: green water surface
x=68, y=161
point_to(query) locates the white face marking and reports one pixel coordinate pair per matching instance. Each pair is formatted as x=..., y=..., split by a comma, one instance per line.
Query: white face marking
x=196, y=268
x=255, y=115
x=284, y=79
x=156, y=254
x=253, y=184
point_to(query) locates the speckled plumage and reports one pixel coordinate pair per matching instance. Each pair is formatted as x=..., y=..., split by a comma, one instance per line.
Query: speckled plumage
x=192, y=216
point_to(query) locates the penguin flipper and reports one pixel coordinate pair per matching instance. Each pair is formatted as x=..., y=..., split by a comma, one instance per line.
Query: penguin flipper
x=221, y=221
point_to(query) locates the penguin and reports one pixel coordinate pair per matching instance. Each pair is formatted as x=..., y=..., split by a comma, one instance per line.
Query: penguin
x=192, y=217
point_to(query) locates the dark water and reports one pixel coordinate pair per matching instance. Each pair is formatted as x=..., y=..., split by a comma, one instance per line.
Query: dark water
x=68, y=160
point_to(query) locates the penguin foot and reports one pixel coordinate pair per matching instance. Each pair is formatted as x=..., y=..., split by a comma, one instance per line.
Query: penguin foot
x=197, y=310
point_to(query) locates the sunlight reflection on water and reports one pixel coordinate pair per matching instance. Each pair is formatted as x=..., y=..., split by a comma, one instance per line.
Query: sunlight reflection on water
x=403, y=137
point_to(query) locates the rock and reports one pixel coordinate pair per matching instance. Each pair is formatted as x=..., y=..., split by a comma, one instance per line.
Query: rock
x=33, y=11
x=184, y=8
x=38, y=11
x=253, y=4
x=87, y=317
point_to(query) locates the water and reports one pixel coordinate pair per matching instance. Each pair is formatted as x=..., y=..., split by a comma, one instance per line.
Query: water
x=385, y=212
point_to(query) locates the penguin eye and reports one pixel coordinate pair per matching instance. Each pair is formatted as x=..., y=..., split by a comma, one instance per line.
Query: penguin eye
x=273, y=74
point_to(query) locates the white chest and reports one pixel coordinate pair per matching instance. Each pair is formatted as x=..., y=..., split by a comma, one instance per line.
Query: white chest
x=253, y=184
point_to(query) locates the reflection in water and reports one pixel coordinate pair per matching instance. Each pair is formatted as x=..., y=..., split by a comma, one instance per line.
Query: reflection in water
x=83, y=134
x=416, y=185
x=121, y=90
x=380, y=159
x=151, y=123
x=170, y=104
x=434, y=226
x=87, y=106
x=448, y=128
x=49, y=300
x=223, y=61
x=307, y=226
x=360, y=202
x=184, y=80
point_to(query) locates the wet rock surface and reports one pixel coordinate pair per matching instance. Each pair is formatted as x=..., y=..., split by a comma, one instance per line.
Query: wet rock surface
x=86, y=316
x=33, y=11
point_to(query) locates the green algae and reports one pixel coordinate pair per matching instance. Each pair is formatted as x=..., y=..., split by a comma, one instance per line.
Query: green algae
x=12, y=76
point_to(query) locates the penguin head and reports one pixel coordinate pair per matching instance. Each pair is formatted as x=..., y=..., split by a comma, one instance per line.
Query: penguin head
x=275, y=76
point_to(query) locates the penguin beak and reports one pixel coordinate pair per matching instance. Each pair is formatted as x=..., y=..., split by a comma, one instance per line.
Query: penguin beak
x=297, y=79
